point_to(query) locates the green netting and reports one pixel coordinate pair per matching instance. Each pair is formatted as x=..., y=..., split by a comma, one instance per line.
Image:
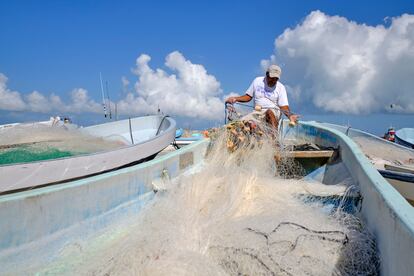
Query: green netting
x=30, y=154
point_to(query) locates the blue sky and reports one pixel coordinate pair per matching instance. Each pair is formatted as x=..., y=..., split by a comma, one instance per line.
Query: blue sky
x=54, y=47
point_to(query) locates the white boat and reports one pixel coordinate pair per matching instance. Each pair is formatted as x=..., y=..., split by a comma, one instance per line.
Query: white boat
x=140, y=139
x=40, y=224
x=53, y=121
x=405, y=137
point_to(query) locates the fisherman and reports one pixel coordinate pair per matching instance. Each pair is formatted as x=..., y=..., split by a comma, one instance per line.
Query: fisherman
x=390, y=135
x=270, y=98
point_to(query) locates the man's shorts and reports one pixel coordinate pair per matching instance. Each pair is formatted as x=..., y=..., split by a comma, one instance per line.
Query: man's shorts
x=261, y=115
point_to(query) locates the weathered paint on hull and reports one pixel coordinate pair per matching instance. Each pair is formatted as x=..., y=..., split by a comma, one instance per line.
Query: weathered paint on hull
x=32, y=215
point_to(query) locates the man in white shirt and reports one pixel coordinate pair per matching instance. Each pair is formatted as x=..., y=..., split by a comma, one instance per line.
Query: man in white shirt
x=270, y=97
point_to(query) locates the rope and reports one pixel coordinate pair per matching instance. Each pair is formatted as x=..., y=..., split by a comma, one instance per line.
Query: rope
x=315, y=233
x=229, y=109
x=265, y=259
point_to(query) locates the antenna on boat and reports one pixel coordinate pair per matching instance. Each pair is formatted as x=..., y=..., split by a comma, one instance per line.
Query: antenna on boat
x=103, y=96
x=109, y=101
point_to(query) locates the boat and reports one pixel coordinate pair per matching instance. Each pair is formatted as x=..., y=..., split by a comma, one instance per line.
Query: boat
x=179, y=132
x=40, y=223
x=53, y=121
x=139, y=139
x=393, y=161
x=184, y=138
x=405, y=137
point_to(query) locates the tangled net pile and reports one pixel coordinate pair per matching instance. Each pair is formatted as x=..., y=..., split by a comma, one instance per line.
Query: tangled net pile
x=234, y=216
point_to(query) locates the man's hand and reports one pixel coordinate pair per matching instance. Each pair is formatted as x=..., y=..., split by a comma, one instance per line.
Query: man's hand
x=231, y=100
x=294, y=118
x=243, y=99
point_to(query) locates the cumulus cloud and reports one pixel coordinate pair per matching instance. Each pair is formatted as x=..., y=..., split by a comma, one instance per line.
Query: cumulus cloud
x=125, y=81
x=125, y=84
x=342, y=66
x=9, y=100
x=187, y=90
x=37, y=102
x=82, y=103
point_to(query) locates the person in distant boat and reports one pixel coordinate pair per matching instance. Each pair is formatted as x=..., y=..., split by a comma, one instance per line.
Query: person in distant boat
x=390, y=135
x=270, y=98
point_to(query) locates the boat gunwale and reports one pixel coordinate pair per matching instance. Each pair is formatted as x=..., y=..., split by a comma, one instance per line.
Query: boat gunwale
x=368, y=134
x=85, y=181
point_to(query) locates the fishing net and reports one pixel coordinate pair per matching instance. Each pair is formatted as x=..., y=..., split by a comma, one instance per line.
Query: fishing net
x=38, y=142
x=237, y=215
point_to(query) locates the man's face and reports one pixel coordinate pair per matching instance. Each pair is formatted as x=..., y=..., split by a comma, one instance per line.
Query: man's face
x=271, y=81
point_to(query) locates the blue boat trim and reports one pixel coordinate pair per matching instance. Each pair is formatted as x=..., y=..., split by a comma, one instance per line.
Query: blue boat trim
x=406, y=177
x=179, y=132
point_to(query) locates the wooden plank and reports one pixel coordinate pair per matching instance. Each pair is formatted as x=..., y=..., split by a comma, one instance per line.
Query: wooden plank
x=307, y=154
x=396, y=168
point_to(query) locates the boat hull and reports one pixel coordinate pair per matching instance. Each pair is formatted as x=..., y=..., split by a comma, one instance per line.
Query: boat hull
x=29, y=218
x=147, y=143
x=385, y=211
x=50, y=211
x=405, y=137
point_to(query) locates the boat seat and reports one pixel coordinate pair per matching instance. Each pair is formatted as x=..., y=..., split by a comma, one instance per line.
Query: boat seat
x=309, y=154
x=395, y=168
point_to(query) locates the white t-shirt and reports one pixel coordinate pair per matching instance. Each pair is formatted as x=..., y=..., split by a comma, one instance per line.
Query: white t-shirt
x=265, y=96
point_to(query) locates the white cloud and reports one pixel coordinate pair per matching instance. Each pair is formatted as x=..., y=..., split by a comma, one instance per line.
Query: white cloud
x=132, y=104
x=9, y=100
x=341, y=66
x=37, y=102
x=125, y=83
x=188, y=91
x=82, y=103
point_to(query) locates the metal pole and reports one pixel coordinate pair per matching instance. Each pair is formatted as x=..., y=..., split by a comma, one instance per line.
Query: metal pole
x=130, y=131
x=109, y=101
x=103, y=95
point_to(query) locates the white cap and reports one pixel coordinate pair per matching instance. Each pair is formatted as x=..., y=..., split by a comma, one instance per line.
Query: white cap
x=274, y=71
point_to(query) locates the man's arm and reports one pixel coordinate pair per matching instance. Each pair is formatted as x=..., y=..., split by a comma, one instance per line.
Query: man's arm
x=243, y=99
x=285, y=110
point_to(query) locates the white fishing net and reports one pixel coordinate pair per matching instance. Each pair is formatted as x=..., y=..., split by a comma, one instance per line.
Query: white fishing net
x=235, y=216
